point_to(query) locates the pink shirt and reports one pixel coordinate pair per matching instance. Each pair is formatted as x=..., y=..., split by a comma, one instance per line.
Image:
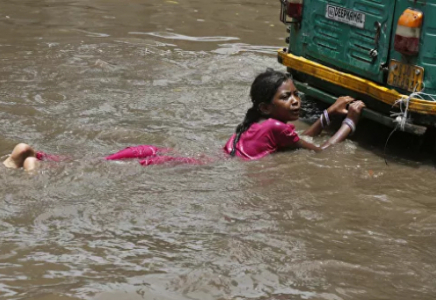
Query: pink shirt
x=263, y=138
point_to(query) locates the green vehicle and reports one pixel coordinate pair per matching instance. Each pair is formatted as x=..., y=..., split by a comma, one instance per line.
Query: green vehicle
x=380, y=51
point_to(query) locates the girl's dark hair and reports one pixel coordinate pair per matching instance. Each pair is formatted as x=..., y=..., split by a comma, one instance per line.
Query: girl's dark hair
x=263, y=89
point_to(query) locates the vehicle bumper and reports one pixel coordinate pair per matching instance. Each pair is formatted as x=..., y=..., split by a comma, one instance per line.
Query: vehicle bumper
x=420, y=109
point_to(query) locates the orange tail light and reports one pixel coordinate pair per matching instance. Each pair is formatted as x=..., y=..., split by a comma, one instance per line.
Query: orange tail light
x=408, y=32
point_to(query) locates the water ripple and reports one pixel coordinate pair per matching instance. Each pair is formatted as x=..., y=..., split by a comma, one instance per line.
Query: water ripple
x=175, y=36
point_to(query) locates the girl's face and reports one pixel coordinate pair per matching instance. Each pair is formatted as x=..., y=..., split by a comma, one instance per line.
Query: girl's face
x=286, y=103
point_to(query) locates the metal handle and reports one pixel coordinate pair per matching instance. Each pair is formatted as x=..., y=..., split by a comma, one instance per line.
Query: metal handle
x=373, y=52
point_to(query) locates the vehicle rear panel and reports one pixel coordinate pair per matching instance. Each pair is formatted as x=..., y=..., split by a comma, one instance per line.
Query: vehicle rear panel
x=361, y=51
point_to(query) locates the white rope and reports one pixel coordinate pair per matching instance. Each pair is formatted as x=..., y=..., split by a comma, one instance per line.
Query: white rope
x=401, y=117
x=403, y=103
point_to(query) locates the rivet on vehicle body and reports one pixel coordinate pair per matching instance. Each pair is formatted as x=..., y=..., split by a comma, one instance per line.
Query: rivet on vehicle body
x=417, y=71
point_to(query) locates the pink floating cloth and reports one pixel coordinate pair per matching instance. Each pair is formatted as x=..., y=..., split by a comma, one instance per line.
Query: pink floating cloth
x=141, y=151
x=147, y=154
x=151, y=155
x=160, y=159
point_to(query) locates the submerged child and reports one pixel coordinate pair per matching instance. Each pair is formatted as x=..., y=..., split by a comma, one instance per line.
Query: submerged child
x=276, y=101
x=264, y=130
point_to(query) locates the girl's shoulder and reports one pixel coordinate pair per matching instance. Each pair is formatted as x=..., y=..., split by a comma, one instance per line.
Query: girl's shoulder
x=273, y=124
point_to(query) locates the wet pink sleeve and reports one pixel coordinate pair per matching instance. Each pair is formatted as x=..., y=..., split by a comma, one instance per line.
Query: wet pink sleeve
x=287, y=136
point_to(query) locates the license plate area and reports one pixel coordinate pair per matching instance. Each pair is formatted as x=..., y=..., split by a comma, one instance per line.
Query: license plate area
x=405, y=76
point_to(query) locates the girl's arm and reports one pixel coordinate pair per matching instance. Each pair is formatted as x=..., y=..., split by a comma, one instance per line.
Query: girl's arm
x=353, y=114
x=314, y=129
x=337, y=108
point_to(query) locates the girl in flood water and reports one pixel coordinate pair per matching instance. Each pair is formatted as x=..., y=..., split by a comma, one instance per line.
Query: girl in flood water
x=264, y=130
x=276, y=102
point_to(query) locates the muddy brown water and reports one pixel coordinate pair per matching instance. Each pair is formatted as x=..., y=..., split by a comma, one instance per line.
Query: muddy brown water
x=88, y=78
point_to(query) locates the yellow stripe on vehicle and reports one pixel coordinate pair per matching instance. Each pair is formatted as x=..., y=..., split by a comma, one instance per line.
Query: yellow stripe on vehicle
x=354, y=83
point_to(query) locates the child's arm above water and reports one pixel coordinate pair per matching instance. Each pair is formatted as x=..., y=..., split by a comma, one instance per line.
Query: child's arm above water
x=337, y=108
x=347, y=127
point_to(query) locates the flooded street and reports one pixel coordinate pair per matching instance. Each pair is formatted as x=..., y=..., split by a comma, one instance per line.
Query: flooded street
x=88, y=78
